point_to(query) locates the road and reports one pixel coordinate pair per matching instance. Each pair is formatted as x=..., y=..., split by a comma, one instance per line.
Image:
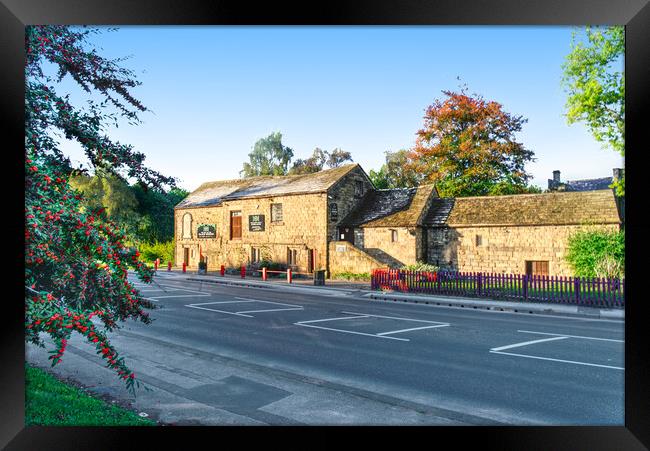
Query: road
x=221, y=354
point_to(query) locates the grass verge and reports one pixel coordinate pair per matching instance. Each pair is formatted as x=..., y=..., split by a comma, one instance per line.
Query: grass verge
x=50, y=402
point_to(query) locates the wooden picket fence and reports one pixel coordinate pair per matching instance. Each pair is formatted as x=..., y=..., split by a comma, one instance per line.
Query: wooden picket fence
x=587, y=291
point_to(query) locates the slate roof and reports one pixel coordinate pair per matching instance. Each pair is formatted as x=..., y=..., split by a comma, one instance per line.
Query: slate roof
x=400, y=207
x=556, y=208
x=214, y=193
x=589, y=184
x=439, y=211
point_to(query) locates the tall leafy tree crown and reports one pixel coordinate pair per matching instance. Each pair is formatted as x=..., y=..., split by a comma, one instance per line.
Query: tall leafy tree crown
x=76, y=260
x=269, y=157
x=468, y=148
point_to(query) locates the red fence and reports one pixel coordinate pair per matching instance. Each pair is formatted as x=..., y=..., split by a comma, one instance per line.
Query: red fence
x=594, y=291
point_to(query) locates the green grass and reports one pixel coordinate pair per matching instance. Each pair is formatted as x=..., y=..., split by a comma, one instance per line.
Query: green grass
x=50, y=402
x=364, y=276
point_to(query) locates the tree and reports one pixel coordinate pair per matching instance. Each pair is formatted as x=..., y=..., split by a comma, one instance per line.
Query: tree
x=594, y=80
x=597, y=253
x=269, y=157
x=156, y=212
x=76, y=259
x=396, y=172
x=319, y=159
x=467, y=148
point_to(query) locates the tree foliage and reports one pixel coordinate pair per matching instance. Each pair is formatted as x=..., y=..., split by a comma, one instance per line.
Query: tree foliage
x=76, y=259
x=396, y=172
x=269, y=157
x=597, y=253
x=467, y=147
x=319, y=159
x=593, y=78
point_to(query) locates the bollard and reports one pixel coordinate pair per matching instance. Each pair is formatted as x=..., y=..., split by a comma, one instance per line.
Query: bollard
x=243, y=272
x=155, y=265
x=289, y=275
x=169, y=266
x=184, y=266
x=264, y=273
x=223, y=270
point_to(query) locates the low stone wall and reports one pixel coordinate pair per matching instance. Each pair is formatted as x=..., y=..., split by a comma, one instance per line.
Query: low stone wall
x=345, y=257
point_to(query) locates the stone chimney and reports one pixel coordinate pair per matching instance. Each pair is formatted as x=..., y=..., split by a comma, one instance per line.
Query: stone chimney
x=618, y=173
x=556, y=176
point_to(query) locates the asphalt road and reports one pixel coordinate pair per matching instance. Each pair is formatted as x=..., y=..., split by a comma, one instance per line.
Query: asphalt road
x=219, y=354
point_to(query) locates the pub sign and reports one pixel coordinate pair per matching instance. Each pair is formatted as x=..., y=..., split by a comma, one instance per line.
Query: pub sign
x=256, y=223
x=206, y=231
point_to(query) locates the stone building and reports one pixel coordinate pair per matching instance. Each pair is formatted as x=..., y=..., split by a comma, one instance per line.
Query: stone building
x=518, y=234
x=336, y=220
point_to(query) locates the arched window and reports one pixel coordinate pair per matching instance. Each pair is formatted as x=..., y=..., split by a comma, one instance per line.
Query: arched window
x=187, y=226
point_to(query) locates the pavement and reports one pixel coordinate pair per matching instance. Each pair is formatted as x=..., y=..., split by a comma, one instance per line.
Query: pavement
x=226, y=351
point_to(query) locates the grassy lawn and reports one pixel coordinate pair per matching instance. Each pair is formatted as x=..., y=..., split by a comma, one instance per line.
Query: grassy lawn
x=49, y=402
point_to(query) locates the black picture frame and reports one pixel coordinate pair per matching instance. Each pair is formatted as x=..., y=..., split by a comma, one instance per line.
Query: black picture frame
x=634, y=14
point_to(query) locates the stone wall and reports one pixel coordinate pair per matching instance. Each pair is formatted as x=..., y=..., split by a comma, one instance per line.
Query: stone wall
x=502, y=249
x=345, y=257
x=346, y=198
x=404, y=251
x=303, y=227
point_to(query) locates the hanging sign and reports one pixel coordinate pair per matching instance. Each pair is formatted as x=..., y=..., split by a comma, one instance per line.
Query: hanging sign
x=206, y=231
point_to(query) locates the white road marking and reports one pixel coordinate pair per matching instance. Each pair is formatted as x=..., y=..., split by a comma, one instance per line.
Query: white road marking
x=351, y=332
x=396, y=317
x=332, y=319
x=269, y=302
x=223, y=302
x=181, y=296
x=271, y=310
x=220, y=311
x=572, y=336
x=558, y=360
x=413, y=328
x=526, y=343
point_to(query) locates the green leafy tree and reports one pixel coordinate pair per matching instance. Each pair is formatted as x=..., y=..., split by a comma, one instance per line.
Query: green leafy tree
x=269, y=157
x=597, y=253
x=156, y=212
x=396, y=172
x=467, y=147
x=593, y=78
x=319, y=159
x=76, y=259
x=337, y=157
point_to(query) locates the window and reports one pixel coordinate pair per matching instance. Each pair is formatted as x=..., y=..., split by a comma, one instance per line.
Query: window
x=292, y=257
x=256, y=255
x=393, y=235
x=334, y=212
x=479, y=240
x=358, y=188
x=276, y=213
x=536, y=268
x=187, y=226
x=235, y=225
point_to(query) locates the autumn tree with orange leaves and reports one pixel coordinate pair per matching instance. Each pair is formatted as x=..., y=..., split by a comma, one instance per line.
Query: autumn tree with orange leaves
x=467, y=147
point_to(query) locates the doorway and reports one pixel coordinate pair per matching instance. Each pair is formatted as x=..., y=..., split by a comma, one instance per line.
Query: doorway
x=186, y=256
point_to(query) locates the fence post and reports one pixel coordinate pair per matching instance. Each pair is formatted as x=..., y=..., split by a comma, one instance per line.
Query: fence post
x=223, y=270
x=243, y=272
x=576, y=288
x=289, y=275
x=525, y=286
x=479, y=283
x=264, y=273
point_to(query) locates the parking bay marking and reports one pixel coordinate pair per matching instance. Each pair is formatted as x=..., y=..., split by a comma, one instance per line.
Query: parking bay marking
x=379, y=335
x=500, y=350
x=246, y=301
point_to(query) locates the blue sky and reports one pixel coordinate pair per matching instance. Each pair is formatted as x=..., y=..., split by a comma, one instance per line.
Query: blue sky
x=214, y=91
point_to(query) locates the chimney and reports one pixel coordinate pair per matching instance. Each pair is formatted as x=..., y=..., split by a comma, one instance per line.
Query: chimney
x=556, y=176
x=618, y=173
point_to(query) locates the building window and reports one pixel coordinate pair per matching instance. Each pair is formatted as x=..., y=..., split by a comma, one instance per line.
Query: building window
x=479, y=240
x=292, y=257
x=334, y=212
x=235, y=225
x=256, y=255
x=358, y=188
x=187, y=226
x=393, y=236
x=536, y=268
x=276, y=213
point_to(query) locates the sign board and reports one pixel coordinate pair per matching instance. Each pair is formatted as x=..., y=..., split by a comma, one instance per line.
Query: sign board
x=206, y=231
x=256, y=223
x=340, y=248
x=334, y=212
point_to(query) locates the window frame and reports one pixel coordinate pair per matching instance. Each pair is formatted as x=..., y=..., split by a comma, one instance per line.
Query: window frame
x=274, y=219
x=233, y=214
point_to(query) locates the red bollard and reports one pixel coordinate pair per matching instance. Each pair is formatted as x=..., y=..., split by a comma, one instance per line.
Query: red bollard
x=184, y=266
x=169, y=266
x=243, y=272
x=289, y=275
x=223, y=270
x=155, y=264
x=264, y=273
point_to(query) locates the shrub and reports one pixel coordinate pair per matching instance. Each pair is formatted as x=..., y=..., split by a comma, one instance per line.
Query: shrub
x=597, y=253
x=157, y=249
x=421, y=266
x=363, y=276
